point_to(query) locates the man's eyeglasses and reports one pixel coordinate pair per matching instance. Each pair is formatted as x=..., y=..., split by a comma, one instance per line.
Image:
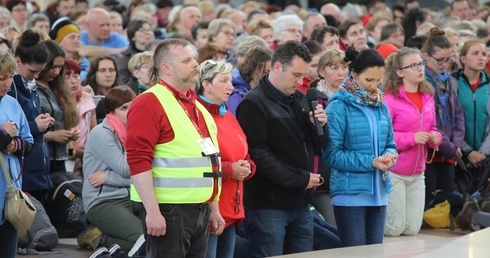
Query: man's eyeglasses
x=414, y=66
x=443, y=60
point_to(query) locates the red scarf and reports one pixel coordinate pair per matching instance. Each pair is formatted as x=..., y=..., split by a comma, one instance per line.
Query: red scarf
x=119, y=127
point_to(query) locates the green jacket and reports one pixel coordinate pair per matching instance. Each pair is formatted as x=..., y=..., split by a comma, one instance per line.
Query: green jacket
x=474, y=109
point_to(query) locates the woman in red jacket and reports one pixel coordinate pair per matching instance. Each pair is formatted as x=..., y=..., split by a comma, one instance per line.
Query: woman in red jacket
x=214, y=89
x=410, y=100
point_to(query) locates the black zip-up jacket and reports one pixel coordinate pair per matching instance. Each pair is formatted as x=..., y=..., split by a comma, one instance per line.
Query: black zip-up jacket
x=281, y=141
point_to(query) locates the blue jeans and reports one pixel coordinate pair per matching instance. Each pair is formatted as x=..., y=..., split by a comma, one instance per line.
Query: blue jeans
x=276, y=232
x=325, y=235
x=222, y=246
x=363, y=225
x=8, y=240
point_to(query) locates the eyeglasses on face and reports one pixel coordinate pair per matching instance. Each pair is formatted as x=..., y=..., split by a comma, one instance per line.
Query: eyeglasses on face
x=414, y=66
x=442, y=60
x=293, y=30
x=144, y=29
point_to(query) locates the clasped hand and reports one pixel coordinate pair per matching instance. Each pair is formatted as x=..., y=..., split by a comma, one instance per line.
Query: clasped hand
x=423, y=137
x=385, y=162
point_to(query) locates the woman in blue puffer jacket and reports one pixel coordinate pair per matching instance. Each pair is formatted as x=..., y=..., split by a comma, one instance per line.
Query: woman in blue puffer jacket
x=360, y=148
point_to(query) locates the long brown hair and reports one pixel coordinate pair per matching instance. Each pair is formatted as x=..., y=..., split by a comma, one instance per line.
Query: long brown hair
x=59, y=87
x=391, y=81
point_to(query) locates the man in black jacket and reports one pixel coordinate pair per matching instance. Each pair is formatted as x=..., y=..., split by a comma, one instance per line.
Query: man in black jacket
x=281, y=137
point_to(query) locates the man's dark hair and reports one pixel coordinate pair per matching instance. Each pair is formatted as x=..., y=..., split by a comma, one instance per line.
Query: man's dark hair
x=313, y=46
x=416, y=41
x=164, y=3
x=287, y=51
x=254, y=12
x=115, y=6
x=200, y=25
x=331, y=21
x=318, y=34
x=30, y=50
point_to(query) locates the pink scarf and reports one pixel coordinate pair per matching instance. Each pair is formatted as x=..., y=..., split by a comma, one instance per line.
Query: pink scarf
x=118, y=126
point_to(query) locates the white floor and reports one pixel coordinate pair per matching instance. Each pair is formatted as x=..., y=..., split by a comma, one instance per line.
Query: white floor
x=428, y=243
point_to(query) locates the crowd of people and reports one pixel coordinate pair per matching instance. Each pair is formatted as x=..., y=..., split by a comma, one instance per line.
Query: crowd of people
x=250, y=131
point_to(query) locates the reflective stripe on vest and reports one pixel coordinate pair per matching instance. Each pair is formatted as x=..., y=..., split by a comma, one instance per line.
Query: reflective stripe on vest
x=179, y=162
x=178, y=166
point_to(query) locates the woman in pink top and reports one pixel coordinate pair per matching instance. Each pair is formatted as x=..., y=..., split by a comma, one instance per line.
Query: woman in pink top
x=86, y=108
x=410, y=101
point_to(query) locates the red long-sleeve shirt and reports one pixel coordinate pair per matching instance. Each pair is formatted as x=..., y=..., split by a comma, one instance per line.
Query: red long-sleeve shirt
x=148, y=125
x=233, y=147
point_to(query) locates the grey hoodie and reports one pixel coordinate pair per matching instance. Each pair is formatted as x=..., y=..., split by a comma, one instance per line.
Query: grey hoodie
x=104, y=151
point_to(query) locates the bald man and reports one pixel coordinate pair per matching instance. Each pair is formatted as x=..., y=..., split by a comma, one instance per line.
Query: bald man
x=97, y=40
x=333, y=10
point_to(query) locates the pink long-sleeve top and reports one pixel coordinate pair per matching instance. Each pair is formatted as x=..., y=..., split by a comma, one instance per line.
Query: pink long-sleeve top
x=408, y=120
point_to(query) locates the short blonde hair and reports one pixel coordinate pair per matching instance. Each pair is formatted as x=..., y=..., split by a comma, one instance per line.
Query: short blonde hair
x=139, y=60
x=209, y=69
x=8, y=65
x=215, y=26
x=248, y=4
x=206, y=7
x=255, y=26
x=114, y=14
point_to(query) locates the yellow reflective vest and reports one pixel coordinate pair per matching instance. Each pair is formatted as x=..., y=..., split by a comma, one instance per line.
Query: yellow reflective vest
x=181, y=175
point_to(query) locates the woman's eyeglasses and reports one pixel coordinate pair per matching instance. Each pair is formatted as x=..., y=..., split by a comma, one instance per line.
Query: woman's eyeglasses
x=443, y=60
x=414, y=66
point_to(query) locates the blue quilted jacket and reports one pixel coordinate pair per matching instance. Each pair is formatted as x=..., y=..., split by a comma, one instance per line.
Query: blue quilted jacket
x=349, y=149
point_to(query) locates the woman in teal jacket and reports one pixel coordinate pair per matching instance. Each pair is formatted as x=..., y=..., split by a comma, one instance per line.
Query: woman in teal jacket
x=360, y=148
x=472, y=89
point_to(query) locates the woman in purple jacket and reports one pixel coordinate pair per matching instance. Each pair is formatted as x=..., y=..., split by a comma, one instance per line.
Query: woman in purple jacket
x=449, y=115
x=410, y=100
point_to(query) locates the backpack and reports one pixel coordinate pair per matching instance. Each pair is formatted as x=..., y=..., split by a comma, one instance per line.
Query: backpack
x=42, y=236
x=471, y=180
x=65, y=206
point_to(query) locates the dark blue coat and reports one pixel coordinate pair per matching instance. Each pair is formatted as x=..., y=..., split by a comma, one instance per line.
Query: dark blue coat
x=35, y=175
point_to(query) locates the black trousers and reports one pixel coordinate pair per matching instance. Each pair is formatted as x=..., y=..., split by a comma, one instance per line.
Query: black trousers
x=187, y=231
